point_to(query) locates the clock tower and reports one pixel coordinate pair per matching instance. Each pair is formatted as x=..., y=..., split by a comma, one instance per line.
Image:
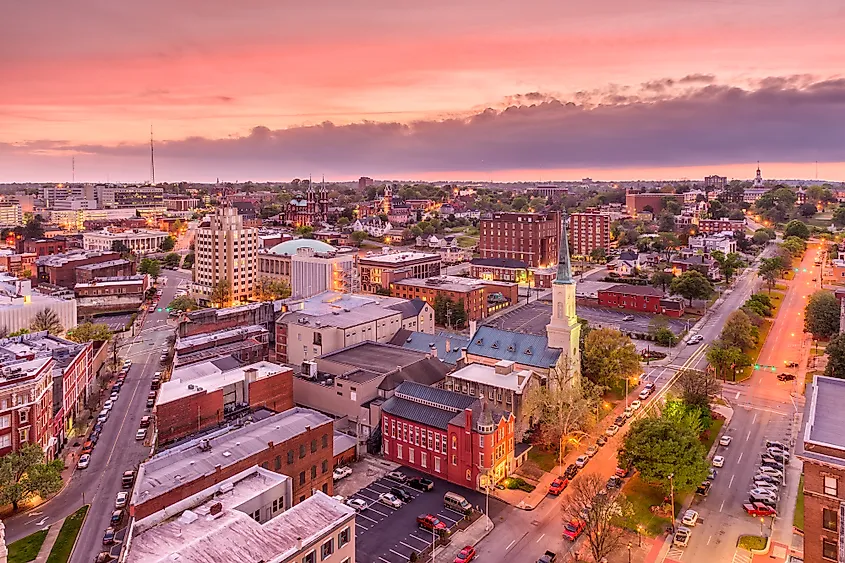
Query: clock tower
x=564, y=330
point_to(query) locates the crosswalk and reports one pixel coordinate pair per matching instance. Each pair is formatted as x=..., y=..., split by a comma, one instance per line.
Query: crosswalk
x=742, y=556
x=674, y=553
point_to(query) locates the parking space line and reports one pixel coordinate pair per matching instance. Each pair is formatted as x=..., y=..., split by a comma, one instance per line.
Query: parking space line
x=371, y=490
x=366, y=497
x=359, y=525
x=367, y=517
x=420, y=539
x=385, y=560
x=446, y=518
x=376, y=483
x=405, y=557
x=377, y=512
x=409, y=546
x=461, y=514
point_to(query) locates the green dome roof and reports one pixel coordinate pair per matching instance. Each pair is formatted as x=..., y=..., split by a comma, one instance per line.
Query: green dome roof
x=289, y=248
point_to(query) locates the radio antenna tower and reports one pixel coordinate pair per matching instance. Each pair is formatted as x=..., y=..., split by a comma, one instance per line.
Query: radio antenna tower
x=152, y=158
x=73, y=169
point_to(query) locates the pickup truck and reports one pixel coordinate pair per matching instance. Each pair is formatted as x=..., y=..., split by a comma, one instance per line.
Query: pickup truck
x=548, y=557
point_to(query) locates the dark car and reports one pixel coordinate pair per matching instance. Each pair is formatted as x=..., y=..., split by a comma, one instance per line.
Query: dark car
x=145, y=421
x=601, y=441
x=151, y=403
x=792, y=364
x=571, y=471
x=619, y=420
x=127, y=479
x=94, y=437
x=421, y=484
x=704, y=488
x=785, y=377
x=614, y=483
x=103, y=557
x=98, y=427
x=108, y=537
x=401, y=494
x=116, y=516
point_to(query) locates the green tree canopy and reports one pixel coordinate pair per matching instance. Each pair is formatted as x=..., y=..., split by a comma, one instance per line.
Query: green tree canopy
x=661, y=278
x=697, y=387
x=266, y=289
x=609, y=356
x=25, y=473
x=151, y=267
x=221, y=293
x=168, y=244
x=796, y=228
x=119, y=246
x=821, y=315
x=739, y=331
x=839, y=216
x=87, y=332
x=725, y=360
x=188, y=262
x=691, y=285
x=728, y=263
x=46, y=319
x=358, y=237
x=183, y=303
x=835, y=352
x=172, y=260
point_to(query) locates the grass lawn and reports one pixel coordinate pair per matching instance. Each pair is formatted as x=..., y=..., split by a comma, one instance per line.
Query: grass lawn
x=798, y=519
x=777, y=298
x=67, y=536
x=712, y=432
x=467, y=242
x=752, y=542
x=642, y=497
x=544, y=459
x=754, y=353
x=26, y=549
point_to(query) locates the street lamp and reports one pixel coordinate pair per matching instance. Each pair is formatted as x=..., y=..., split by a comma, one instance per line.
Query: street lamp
x=629, y=552
x=639, y=535
x=672, y=493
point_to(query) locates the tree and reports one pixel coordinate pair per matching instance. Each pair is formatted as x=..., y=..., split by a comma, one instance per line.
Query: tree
x=183, y=303
x=33, y=229
x=609, y=356
x=188, y=262
x=807, y=209
x=88, y=332
x=266, y=289
x=738, y=331
x=342, y=222
x=660, y=447
x=662, y=279
x=725, y=360
x=151, y=267
x=168, y=244
x=598, y=255
x=659, y=330
x=119, y=246
x=698, y=387
x=776, y=205
x=221, y=293
x=728, y=263
x=46, y=319
x=25, y=473
x=839, y=216
x=796, y=228
x=821, y=315
x=305, y=231
x=835, y=352
x=605, y=514
x=760, y=237
x=770, y=270
x=358, y=237
x=691, y=285
x=172, y=260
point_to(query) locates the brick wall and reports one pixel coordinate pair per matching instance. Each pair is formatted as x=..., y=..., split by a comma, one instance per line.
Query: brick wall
x=814, y=504
x=274, y=393
x=177, y=419
x=274, y=458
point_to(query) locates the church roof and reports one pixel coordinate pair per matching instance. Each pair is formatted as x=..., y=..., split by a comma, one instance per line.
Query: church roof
x=564, y=267
x=525, y=349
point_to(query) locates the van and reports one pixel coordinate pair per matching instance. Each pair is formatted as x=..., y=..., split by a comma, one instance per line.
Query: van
x=456, y=502
x=127, y=479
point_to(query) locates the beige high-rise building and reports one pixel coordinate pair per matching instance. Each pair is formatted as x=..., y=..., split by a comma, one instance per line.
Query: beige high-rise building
x=225, y=250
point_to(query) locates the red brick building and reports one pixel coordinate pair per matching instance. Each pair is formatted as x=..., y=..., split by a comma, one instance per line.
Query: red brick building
x=297, y=443
x=43, y=247
x=18, y=264
x=450, y=435
x=109, y=269
x=648, y=201
x=60, y=269
x=588, y=231
x=211, y=320
x=26, y=405
x=528, y=237
x=639, y=298
x=710, y=226
x=498, y=269
x=477, y=295
x=202, y=396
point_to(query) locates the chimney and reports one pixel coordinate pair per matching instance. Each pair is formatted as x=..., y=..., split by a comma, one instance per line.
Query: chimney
x=473, y=326
x=468, y=420
x=433, y=349
x=462, y=361
x=504, y=367
x=448, y=345
x=250, y=376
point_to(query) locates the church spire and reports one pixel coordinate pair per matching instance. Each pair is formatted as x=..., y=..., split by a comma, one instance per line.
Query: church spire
x=564, y=267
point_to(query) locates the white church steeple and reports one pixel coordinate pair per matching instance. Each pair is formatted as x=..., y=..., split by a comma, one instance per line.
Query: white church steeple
x=564, y=330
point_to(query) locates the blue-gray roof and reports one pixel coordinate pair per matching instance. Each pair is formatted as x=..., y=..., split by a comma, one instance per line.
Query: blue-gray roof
x=436, y=407
x=525, y=349
x=422, y=342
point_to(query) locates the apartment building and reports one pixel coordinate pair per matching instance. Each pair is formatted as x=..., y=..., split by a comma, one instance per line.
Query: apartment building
x=26, y=404
x=587, y=232
x=531, y=238
x=377, y=271
x=226, y=251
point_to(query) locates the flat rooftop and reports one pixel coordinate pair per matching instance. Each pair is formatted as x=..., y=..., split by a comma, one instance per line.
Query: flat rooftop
x=343, y=318
x=515, y=380
x=445, y=283
x=822, y=438
x=375, y=357
x=183, y=464
x=210, y=337
x=206, y=377
x=396, y=258
x=106, y=264
x=59, y=260
x=195, y=535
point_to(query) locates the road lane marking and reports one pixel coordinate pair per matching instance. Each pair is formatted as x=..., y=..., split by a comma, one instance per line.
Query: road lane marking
x=385, y=560
x=737, y=395
x=510, y=545
x=708, y=540
x=749, y=436
x=740, y=457
x=754, y=420
x=732, y=482
x=541, y=537
x=722, y=506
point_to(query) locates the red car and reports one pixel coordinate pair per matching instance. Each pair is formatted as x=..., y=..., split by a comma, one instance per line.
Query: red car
x=759, y=509
x=558, y=485
x=466, y=555
x=430, y=522
x=573, y=529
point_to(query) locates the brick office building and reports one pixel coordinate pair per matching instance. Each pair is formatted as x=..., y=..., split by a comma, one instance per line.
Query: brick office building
x=712, y=226
x=42, y=247
x=528, y=237
x=648, y=201
x=26, y=405
x=821, y=446
x=587, y=232
x=204, y=395
x=498, y=269
x=211, y=320
x=109, y=269
x=449, y=435
x=297, y=443
x=380, y=270
x=475, y=294
x=641, y=299
x=60, y=269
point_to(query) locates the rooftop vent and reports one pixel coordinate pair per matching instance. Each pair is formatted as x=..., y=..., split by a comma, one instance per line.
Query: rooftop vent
x=227, y=454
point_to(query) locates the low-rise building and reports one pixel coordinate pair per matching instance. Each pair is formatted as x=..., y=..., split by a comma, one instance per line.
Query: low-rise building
x=489, y=345
x=704, y=264
x=181, y=203
x=108, y=269
x=247, y=344
x=204, y=395
x=296, y=443
x=639, y=298
x=308, y=266
x=499, y=269
x=206, y=321
x=26, y=405
x=480, y=297
x=105, y=295
x=213, y=524
x=713, y=226
x=377, y=271
x=42, y=247
x=60, y=269
x=450, y=435
x=723, y=242
x=19, y=304
x=18, y=265
x=447, y=347
x=136, y=240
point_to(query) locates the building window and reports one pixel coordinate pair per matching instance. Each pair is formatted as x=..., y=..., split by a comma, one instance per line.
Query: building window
x=313, y=471
x=24, y=435
x=410, y=455
x=392, y=428
x=436, y=464
x=325, y=466
x=829, y=519
x=830, y=485
x=343, y=538
x=301, y=451
x=290, y=457
x=830, y=550
x=430, y=440
x=437, y=442
x=454, y=459
x=311, y=557
x=326, y=549
x=301, y=477
x=325, y=440
x=424, y=459
x=454, y=441
x=313, y=446
x=23, y=416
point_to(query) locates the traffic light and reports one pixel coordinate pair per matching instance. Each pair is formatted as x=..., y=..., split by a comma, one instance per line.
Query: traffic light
x=773, y=368
x=796, y=270
x=756, y=366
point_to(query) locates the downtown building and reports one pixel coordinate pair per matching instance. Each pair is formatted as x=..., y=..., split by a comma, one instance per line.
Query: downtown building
x=531, y=238
x=139, y=241
x=377, y=271
x=226, y=253
x=308, y=266
x=588, y=232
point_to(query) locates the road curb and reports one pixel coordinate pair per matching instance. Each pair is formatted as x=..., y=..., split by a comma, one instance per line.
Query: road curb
x=81, y=526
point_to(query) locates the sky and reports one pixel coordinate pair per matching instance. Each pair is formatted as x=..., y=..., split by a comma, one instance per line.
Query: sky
x=536, y=90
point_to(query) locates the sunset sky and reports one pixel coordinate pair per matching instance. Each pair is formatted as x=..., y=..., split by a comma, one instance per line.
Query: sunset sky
x=535, y=90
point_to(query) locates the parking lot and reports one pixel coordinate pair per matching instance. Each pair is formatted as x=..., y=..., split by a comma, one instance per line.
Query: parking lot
x=116, y=323
x=533, y=318
x=384, y=534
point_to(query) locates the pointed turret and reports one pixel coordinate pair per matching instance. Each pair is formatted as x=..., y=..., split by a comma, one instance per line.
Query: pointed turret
x=564, y=265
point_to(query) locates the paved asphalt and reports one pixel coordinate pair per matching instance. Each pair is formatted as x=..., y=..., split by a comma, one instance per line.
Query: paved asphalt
x=117, y=449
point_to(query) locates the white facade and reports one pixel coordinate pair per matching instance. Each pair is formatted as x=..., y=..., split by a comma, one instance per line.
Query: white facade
x=225, y=250
x=137, y=240
x=723, y=242
x=19, y=305
x=11, y=214
x=313, y=273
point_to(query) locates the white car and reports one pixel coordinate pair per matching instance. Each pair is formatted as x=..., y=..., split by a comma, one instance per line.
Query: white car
x=644, y=394
x=127, y=363
x=108, y=405
x=682, y=536
x=103, y=416
x=766, y=470
x=636, y=405
x=695, y=339
x=581, y=461
x=612, y=430
x=690, y=518
x=718, y=461
x=629, y=412
x=113, y=397
x=83, y=462
x=122, y=499
x=725, y=441
x=357, y=504
x=592, y=450
x=341, y=472
x=141, y=434
x=390, y=500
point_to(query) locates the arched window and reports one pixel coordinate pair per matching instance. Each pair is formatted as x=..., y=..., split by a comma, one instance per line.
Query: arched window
x=454, y=441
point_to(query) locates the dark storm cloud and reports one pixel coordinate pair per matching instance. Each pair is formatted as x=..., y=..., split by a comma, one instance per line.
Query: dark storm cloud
x=784, y=119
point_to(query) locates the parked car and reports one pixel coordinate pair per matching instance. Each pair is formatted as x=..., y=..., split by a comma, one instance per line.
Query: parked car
x=792, y=364
x=614, y=482
x=114, y=395
x=571, y=471
x=397, y=476
x=341, y=473
x=88, y=447
x=766, y=478
x=628, y=318
x=768, y=461
x=390, y=500
x=401, y=494
x=430, y=522
x=682, y=536
x=765, y=486
x=779, y=455
x=581, y=461
x=466, y=555
x=704, y=488
x=357, y=504
x=690, y=518
x=644, y=394
x=108, y=536
x=116, y=516
x=108, y=405
x=421, y=483
x=695, y=339
x=786, y=377
x=121, y=500
x=725, y=441
x=601, y=441
x=83, y=462
x=718, y=461
x=151, y=403
x=558, y=485
x=573, y=529
x=629, y=412
x=619, y=420
x=776, y=444
x=635, y=404
x=103, y=557
x=127, y=479
x=612, y=430
x=623, y=472
x=759, y=509
x=592, y=450
x=762, y=495
x=145, y=421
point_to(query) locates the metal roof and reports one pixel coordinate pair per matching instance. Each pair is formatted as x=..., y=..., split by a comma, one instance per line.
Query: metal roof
x=525, y=349
x=422, y=341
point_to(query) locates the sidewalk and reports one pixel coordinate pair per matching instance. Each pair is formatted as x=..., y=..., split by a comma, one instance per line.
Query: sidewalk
x=474, y=533
x=49, y=541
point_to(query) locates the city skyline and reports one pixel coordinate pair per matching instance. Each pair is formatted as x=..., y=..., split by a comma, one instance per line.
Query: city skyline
x=474, y=91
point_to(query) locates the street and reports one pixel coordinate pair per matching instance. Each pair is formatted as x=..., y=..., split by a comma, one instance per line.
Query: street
x=117, y=449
